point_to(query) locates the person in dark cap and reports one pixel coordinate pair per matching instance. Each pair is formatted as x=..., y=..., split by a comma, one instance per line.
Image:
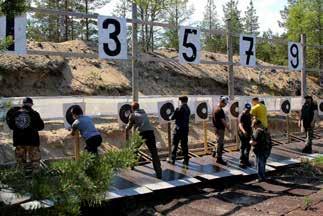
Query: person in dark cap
x=25, y=123
x=220, y=124
x=139, y=120
x=308, y=117
x=182, y=120
x=245, y=133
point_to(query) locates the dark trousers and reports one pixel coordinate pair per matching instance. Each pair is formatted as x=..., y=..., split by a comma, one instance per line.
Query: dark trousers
x=219, y=134
x=93, y=143
x=150, y=141
x=244, y=148
x=261, y=165
x=309, y=137
x=180, y=135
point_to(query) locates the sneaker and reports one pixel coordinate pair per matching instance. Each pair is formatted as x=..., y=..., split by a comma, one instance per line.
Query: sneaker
x=171, y=161
x=307, y=150
x=243, y=165
x=221, y=161
x=159, y=175
x=214, y=154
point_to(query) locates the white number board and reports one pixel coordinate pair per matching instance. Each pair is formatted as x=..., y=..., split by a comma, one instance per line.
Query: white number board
x=189, y=45
x=16, y=29
x=295, y=56
x=248, y=50
x=112, y=37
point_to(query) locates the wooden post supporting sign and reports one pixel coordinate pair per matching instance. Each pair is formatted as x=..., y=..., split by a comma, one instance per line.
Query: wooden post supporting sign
x=169, y=135
x=77, y=145
x=206, y=148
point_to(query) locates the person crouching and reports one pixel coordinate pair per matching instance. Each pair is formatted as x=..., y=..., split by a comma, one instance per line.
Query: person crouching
x=87, y=129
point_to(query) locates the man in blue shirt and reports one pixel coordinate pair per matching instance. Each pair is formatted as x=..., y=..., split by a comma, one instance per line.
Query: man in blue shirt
x=87, y=129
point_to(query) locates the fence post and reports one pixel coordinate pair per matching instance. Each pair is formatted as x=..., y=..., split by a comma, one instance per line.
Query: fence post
x=303, y=72
x=233, y=124
x=135, y=81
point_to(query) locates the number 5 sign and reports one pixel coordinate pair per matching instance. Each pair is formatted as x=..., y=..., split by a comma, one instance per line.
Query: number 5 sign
x=248, y=50
x=295, y=56
x=112, y=37
x=189, y=45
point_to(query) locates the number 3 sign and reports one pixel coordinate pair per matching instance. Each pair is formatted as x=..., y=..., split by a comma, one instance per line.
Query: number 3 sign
x=112, y=37
x=189, y=45
x=295, y=61
x=248, y=50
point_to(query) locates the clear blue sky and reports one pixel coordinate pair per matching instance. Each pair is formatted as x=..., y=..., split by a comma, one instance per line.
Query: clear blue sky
x=267, y=10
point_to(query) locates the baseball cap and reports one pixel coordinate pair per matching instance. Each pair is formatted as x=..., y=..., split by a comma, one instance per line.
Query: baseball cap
x=247, y=106
x=28, y=100
x=224, y=99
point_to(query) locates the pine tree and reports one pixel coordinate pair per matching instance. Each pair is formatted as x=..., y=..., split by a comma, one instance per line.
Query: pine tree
x=212, y=42
x=231, y=12
x=177, y=12
x=251, y=25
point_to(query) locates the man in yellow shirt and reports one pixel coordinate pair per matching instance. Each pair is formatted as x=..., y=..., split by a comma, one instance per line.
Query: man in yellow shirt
x=259, y=111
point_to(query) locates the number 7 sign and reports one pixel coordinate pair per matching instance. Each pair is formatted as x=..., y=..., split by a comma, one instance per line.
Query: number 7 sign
x=248, y=50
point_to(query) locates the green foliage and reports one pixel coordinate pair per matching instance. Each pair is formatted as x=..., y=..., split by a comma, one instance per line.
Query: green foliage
x=71, y=183
x=305, y=16
x=175, y=14
x=12, y=8
x=251, y=25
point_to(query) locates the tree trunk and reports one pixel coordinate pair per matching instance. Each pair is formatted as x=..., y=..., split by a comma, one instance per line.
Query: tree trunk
x=66, y=21
x=87, y=20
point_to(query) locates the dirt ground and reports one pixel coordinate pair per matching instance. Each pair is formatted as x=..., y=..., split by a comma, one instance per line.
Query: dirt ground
x=55, y=75
x=292, y=192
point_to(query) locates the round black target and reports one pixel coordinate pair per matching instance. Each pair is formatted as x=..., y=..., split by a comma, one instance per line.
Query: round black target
x=286, y=107
x=124, y=113
x=321, y=107
x=166, y=111
x=68, y=115
x=234, y=109
x=202, y=111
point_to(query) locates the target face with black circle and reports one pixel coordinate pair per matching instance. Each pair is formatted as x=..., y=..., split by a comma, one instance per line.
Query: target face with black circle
x=320, y=107
x=202, y=111
x=68, y=115
x=285, y=107
x=124, y=113
x=234, y=109
x=166, y=111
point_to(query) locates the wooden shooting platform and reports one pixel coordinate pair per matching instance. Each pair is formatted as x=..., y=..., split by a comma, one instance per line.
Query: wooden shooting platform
x=141, y=180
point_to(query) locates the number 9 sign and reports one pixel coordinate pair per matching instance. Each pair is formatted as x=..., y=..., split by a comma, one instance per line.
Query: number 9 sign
x=295, y=60
x=112, y=37
x=189, y=45
x=248, y=50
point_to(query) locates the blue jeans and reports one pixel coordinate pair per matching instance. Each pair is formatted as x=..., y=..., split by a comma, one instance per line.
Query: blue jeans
x=261, y=165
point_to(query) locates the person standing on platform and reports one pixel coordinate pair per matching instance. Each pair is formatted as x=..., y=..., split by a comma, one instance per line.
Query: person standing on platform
x=309, y=114
x=220, y=124
x=25, y=123
x=87, y=129
x=182, y=120
x=139, y=120
x=259, y=112
x=245, y=133
x=261, y=147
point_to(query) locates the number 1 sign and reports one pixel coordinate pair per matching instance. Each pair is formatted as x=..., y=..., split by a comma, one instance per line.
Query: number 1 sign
x=295, y=57
x=189, y=45
x=248, y=50
x=112, y=37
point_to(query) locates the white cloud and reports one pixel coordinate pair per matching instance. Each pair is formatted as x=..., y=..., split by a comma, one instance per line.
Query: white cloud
x=267, y=10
